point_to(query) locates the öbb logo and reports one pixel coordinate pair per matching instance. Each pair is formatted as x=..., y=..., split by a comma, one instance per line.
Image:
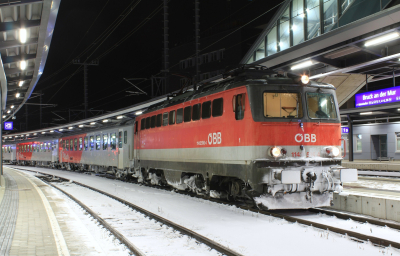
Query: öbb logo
x=214, y=138
x=306, y=137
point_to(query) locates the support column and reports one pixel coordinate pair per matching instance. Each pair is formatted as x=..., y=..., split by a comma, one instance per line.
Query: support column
x=351, y=153
x=40, y=110
x=26, y=117
x=1, y=140
x=197, y=32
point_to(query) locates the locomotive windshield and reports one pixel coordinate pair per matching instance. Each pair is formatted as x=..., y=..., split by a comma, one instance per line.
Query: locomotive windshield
x=321, y=106
x=282, y=105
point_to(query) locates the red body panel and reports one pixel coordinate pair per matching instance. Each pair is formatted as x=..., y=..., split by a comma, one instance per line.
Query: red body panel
x=226, y=131
x=68, y=155
x=24, y=156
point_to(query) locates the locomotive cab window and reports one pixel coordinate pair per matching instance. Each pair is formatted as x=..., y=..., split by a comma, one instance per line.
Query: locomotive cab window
x=165, y=119
x=113, y=141
x=217, y=107
x=179, y=116
x=187, y=112
x=321, y=106
x=98, y=142
x=105, y=141
x=238, y=105
x=282, y=105
x=172, y=117
x=196, y=112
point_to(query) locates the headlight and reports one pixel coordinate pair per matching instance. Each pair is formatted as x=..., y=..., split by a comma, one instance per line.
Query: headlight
x=275, y=152
x=333, y=151
x=305, y=79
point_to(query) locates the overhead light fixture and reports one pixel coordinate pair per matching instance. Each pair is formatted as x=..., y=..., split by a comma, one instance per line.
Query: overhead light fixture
x=120, y=117
x=12, y=106
x=22, y=35
x=366, y=113
x=43, y=132
x=17, y=95
x=81, y=125
x=14, y=117
x=52, y=131
x=16, y=136
x=61, y=130
x=139, y=113
x=27, y=135
x=4, y=116
x=382, y=39
x=92, y=123
x=8, y=111
x=70, y=127
x=35, y=133
x=302, y=65
x=105, y=121
x=20, y=83
x=23, y=64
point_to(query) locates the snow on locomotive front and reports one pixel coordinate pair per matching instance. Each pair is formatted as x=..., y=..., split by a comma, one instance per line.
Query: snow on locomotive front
x=296, y=144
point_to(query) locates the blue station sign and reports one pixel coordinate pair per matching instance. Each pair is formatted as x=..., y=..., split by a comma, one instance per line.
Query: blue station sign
x=8, y=126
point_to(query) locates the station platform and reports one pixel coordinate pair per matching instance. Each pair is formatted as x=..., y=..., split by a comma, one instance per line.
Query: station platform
x=35, y=221
x=374, y=196
x=374, y=165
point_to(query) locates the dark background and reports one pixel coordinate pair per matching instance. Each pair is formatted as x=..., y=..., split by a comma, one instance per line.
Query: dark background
x=80, y=24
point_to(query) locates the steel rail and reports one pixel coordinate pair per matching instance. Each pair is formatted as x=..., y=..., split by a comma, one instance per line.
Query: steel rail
x=104, y=223
x=212, y=244
x=355, y=235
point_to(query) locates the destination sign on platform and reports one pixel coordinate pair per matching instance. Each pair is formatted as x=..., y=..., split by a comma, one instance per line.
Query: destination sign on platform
x=383, y=96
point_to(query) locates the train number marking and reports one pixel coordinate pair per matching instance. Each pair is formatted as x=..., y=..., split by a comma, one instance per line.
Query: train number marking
x=214, y=138
x=306, y=137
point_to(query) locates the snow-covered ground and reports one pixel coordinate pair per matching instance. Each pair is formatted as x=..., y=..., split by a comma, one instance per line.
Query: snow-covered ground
x=243, y=231
x=355, y=226
x=151, y=237
x=377, y=183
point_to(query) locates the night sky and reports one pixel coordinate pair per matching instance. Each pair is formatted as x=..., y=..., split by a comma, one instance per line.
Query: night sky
x=88, y=27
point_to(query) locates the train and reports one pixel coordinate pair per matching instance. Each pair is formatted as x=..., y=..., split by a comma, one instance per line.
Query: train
x=255, y=135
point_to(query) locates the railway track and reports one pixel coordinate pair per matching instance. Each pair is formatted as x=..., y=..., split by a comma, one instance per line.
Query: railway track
x=353, y=235
x=200, y=238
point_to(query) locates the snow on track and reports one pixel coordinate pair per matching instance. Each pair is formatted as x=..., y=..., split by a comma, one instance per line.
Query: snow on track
x=243, y=231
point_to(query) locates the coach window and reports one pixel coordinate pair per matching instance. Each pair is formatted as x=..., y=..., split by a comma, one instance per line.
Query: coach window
x=67, y=145
x=172, y=117
x=76, y=144
x=206, y=110
x=63, y=144
x=105, y=141
x=196, y=112
x=159, y=120
x=120, y=139
x=153, y=121
x=85, y=140
x=143, y=124
x=217, y=107
x=165, y=119
x=91, y=141
x=187, y=112
x=113, y=141
x=238, y=104
x=98, y=142
x=125, y=137
x=80, y=144
x=148, y=122
x=179, y=116
x=71, y=144
x=282, y=105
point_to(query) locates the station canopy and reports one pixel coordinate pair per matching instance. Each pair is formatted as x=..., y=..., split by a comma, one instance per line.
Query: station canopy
x=346, y=43
x=26, y=28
